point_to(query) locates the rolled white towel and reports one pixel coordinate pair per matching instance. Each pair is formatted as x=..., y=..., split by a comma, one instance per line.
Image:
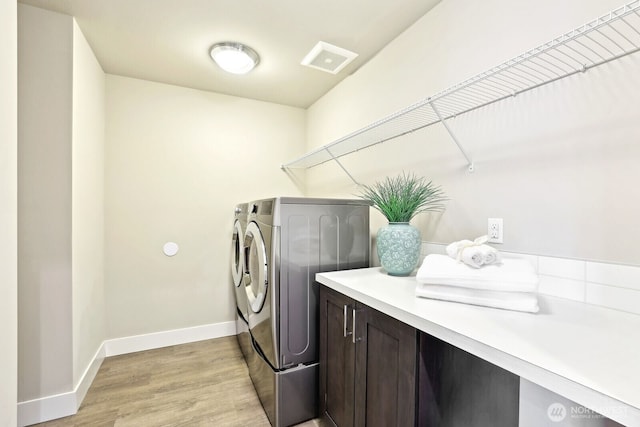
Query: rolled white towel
x=453, y=249
x=490, y=255
x=473, y=256
x=517, y=301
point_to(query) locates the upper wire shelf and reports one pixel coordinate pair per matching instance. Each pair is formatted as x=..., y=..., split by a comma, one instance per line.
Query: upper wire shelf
x=602, y=40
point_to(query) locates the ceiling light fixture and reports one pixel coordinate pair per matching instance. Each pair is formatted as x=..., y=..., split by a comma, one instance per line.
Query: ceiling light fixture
x=234, y=57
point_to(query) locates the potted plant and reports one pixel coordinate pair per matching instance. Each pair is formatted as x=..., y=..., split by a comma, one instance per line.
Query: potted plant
x=400, y=199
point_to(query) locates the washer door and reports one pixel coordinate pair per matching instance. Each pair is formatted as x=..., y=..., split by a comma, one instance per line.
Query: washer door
x=256, y=269
x=237, y=254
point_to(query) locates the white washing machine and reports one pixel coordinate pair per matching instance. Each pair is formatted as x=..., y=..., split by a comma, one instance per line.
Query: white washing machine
x=287, y=241
x=237, y=274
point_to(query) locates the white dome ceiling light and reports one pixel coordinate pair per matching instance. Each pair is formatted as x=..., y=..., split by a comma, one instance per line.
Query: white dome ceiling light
x=234, y=57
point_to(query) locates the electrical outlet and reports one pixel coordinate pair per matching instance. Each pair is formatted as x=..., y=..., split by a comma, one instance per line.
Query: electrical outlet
x=495, y=230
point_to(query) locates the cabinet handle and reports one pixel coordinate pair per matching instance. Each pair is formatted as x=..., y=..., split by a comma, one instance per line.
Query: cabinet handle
x=353, y=327
x=344, y=321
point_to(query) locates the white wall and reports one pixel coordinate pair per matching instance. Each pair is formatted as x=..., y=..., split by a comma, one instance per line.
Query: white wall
x=557, y=163
x=8, y=213
x=87, y=187
x=45, y=42
x=61, y=131
x=177, y=162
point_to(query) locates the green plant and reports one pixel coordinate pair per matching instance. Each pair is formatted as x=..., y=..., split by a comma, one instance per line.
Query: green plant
x=402, y=197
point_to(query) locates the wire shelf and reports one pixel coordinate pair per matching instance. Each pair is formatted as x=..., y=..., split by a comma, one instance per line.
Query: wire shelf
x=602, y=40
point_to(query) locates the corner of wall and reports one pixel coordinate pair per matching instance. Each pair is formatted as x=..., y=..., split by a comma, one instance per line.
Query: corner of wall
x=87, y=182
x=8, y=213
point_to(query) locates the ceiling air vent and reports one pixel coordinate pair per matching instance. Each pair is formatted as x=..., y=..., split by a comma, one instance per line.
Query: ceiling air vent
x=329, y=58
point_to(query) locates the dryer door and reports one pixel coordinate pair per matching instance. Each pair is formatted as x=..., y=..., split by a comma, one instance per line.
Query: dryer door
x=256, y=268
x=237, y=254
x=237, y=271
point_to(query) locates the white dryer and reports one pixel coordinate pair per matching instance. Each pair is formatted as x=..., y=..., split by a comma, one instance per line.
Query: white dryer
x=287, y=241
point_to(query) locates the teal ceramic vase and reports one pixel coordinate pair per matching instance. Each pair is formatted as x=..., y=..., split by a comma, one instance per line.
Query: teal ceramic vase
x=398, y=245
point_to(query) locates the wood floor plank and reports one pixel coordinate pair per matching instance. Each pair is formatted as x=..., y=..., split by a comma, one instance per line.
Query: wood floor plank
x=202, y=384
x=198, y=384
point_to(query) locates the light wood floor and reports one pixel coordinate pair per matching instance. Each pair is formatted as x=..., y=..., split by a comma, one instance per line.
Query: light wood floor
x=199, y=384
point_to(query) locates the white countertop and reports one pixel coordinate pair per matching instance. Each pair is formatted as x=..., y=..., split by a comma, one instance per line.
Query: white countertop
x=585, y=353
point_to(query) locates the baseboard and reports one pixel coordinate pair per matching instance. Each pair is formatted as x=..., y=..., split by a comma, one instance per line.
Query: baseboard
x=154, y=340
x=47, y=408
x=66, y=404
x=63, y=404
x=89, y=374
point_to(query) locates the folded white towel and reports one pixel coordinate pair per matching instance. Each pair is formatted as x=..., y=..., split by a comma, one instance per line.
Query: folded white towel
x=517, y=301
x=513, y=274
x=475, y=254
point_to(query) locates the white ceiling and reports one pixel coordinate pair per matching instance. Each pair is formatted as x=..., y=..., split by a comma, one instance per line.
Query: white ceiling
x=168, y=40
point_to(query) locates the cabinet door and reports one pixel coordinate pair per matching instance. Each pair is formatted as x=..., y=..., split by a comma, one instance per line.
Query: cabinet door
x=385, y=383
x=337, y=358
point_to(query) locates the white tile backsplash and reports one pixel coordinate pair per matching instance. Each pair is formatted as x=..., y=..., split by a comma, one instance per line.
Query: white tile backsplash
x=433, y=248
x=562, y=267
x=624, y=276
x=562, y=288
x=609, y=285
x=533, y=259
x=614, y=297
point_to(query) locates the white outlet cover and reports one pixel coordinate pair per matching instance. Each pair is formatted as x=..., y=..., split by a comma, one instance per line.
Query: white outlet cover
x=170, y=248
x=495, y=230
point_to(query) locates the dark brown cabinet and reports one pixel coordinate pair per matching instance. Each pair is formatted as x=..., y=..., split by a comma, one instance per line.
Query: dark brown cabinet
x=377, y=371
x=367, y=365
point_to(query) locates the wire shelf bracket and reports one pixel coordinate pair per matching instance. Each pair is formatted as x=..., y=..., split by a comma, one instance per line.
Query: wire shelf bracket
x=335, y=159
x=600, y=41
x=470, y=167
